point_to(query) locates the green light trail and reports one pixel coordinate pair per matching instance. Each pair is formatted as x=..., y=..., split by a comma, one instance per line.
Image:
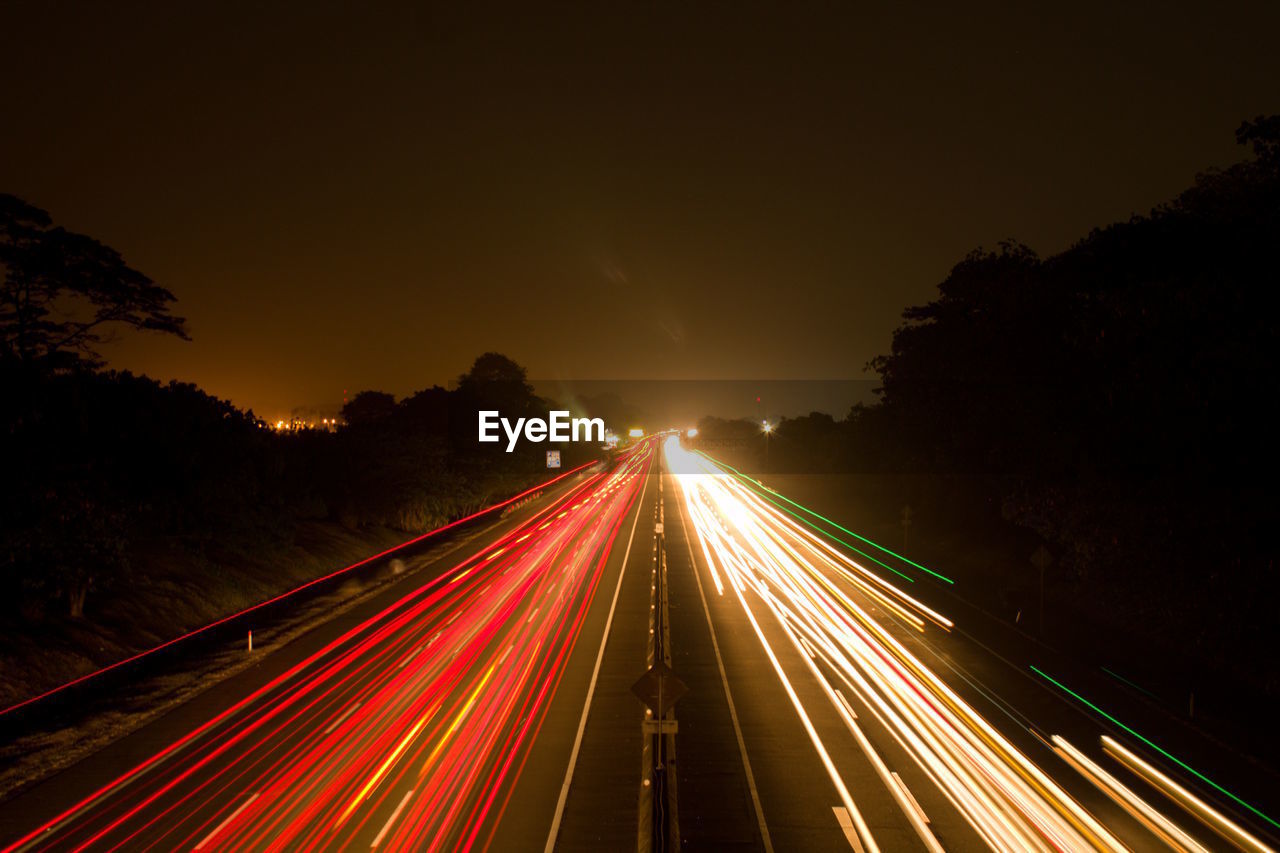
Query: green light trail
x=834, y=524
x=1154, y=746
x=829, y=535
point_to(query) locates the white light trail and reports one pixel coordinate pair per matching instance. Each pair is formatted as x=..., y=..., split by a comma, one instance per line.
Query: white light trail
x=777, y=568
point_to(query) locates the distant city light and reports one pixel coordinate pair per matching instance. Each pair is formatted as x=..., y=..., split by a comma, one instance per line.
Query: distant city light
x=692, y=432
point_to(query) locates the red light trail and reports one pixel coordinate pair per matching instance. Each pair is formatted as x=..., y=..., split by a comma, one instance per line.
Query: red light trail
x=408, y=732
x=289, y=593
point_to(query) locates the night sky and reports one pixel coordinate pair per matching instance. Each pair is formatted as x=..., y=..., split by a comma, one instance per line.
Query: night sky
x=351, y=198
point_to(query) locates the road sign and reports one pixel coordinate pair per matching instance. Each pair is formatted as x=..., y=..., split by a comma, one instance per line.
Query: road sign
x=553, y=458
x=659, y=680
x=660, y=727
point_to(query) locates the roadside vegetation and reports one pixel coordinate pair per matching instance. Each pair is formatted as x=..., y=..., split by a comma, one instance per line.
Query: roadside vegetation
x=1114, y=404
x=133, y=511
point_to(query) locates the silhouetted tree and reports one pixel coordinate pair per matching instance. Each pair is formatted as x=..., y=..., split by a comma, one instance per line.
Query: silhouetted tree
x=63, y=292
x=417, y=464
x=79, y=540
x=367, y=407
x=1263, y=136
x=494, y=383
x=99, y=462
x=805, y=444
x=1114, y=399
x=495, y=371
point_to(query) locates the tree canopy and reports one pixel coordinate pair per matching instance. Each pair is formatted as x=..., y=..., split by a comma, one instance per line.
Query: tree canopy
x=64, y=293
x=368, y=406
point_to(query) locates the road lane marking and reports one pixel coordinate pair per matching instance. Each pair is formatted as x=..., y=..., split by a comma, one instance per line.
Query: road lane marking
x=591, y=688
x=728, y=695
x=338, y=722
x=842, y=817
x=386, y=827
x=758, y=585
x=235, y=814
x=845, y=704
x=897, y=788
x=910, y=796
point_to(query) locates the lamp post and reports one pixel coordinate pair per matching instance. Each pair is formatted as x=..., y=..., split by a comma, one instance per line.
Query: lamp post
x=768, y=430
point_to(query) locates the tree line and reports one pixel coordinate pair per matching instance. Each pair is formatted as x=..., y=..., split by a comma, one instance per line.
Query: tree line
x=104, y=468
x=106, y=472
x=1116, y=400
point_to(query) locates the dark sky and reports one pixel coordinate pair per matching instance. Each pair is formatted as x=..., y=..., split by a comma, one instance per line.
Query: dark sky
x=370, y=195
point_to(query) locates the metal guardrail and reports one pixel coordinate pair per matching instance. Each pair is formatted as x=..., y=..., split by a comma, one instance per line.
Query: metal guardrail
x=659, y=689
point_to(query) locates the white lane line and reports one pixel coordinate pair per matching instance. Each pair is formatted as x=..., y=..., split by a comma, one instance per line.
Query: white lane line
x=910, y=797
x=845, y=703
x=235, y=814
x=897, y=788
x=842, y=817
x=386, y=827
x=591, y=689
x=338, y=722
x=728, y=695
x=758, y=585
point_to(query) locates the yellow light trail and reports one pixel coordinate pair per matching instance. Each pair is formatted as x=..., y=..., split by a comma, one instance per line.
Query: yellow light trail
x=1167, y=830
x=386, y=765
x=1210, y=816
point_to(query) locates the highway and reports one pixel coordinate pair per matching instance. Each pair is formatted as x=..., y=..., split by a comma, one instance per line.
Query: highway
x=484, y=702
x=412, y=729
x=869, y=721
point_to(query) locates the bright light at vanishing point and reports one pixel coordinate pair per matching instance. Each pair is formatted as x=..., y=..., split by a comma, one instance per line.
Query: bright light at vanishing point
x=636, y=432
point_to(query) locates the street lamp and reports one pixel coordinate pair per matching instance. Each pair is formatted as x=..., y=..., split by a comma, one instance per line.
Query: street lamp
x=768, y=430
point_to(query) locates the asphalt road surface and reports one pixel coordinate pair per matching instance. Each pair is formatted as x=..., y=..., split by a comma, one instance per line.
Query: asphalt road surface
x=867, y=719
x=438, y=717
x=839, y=698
